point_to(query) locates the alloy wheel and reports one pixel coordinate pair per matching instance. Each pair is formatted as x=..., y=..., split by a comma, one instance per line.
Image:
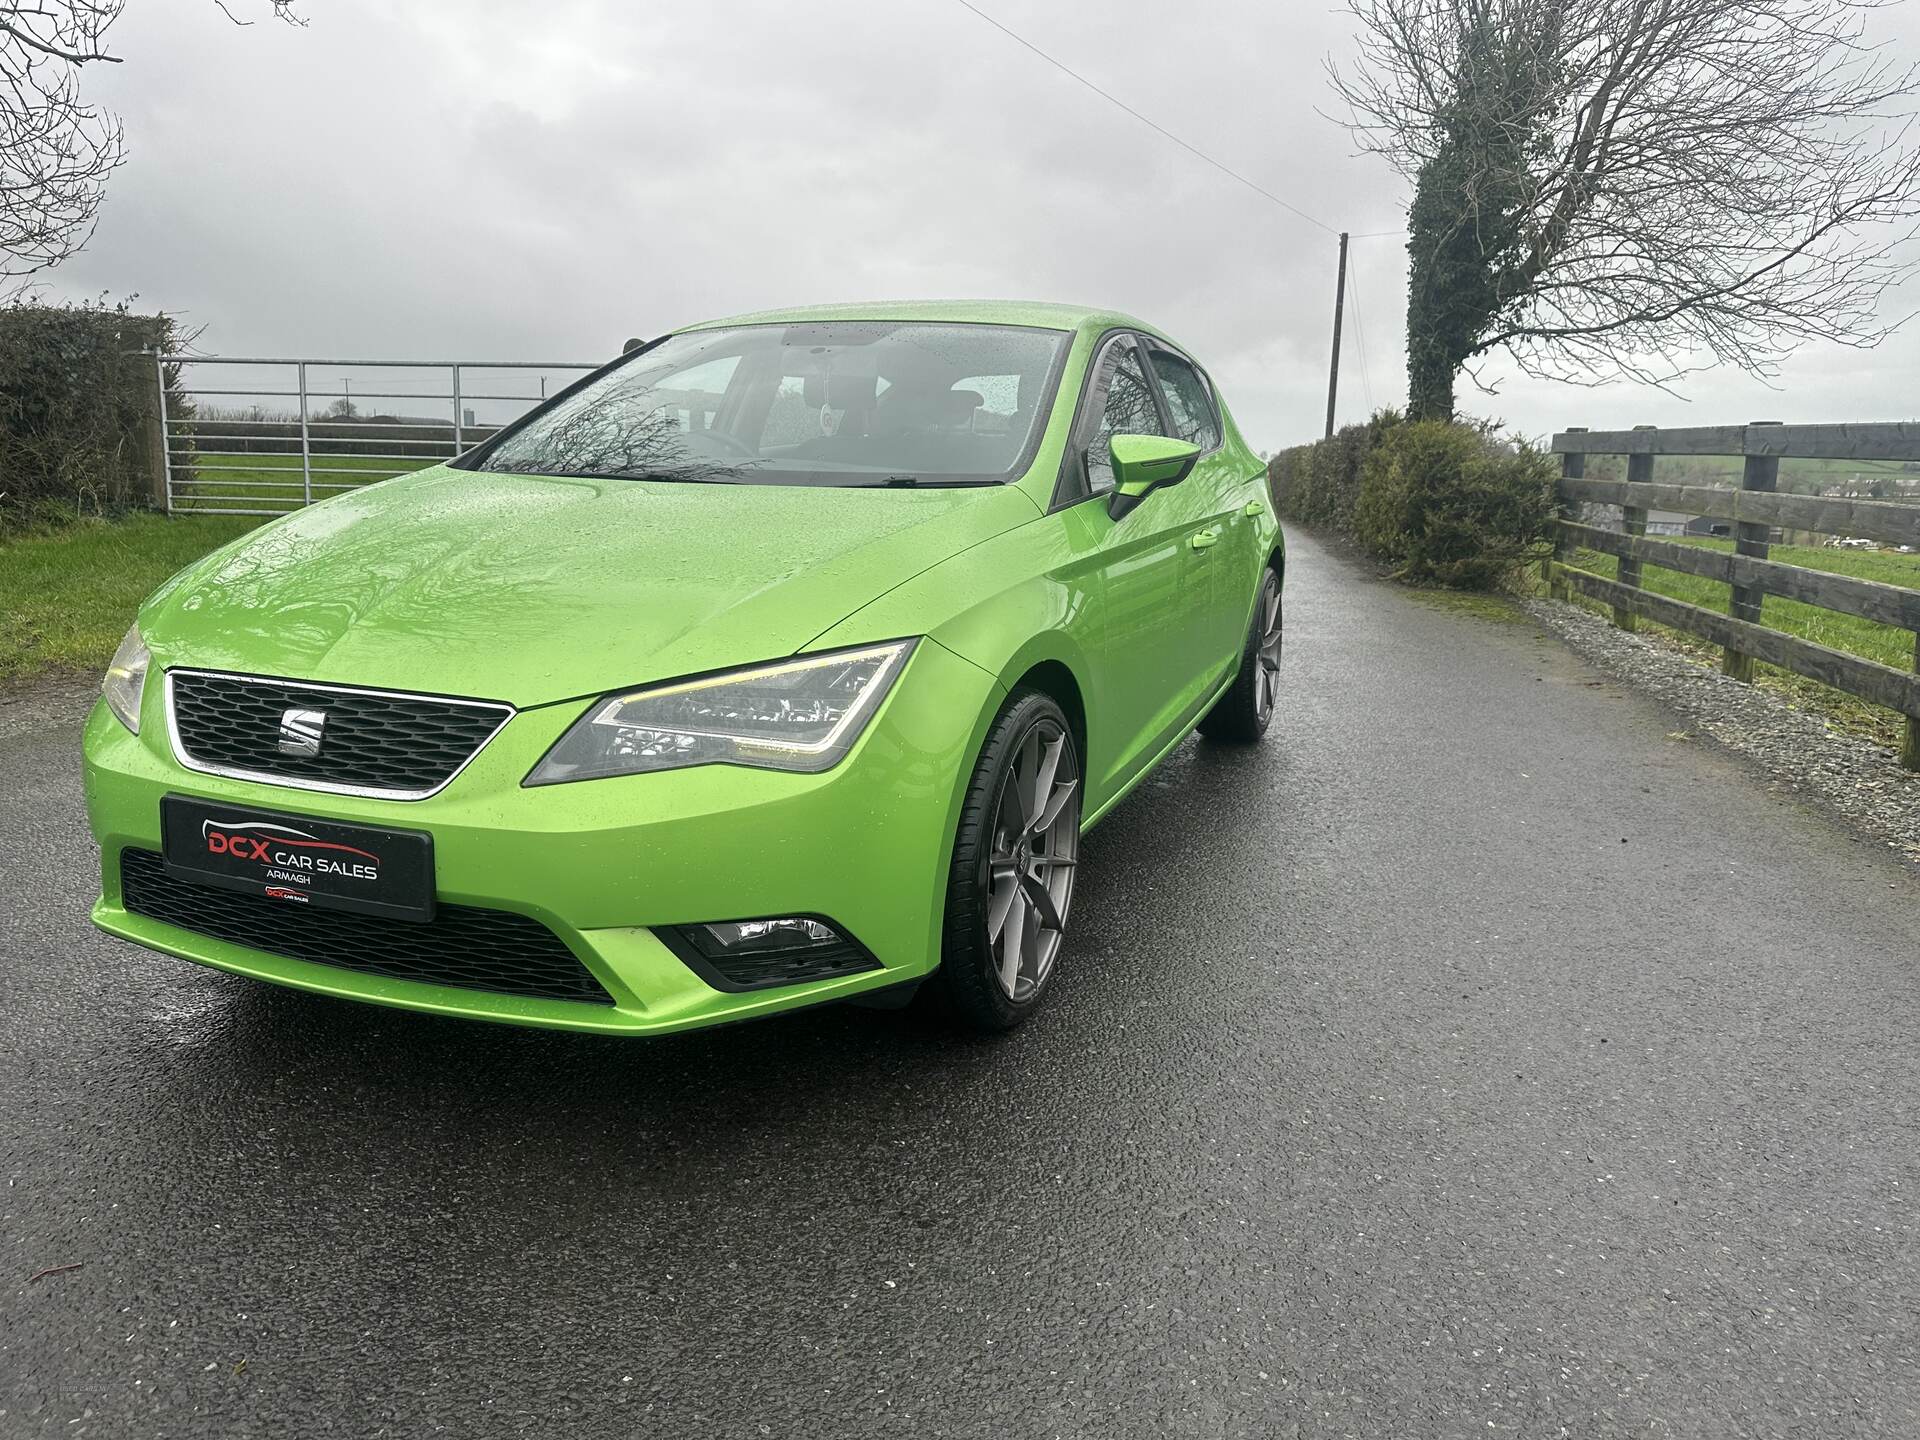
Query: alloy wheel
x=1267, y=649
x=1036, y=843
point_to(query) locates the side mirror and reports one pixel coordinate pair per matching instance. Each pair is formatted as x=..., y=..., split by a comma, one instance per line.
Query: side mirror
x=632, y=345
x=1144, y=463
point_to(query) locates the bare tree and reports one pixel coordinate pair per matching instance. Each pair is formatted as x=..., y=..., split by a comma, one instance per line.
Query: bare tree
x=1637, y=188
x=57, y=150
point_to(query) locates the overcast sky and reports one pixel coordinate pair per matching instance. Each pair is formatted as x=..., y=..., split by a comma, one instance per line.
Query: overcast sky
x=496, y=180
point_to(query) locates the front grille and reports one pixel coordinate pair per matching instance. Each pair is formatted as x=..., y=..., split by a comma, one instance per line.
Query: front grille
x=475, y=949
x=404, y=745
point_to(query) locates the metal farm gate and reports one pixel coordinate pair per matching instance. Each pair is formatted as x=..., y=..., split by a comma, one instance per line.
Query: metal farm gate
x=267, y=436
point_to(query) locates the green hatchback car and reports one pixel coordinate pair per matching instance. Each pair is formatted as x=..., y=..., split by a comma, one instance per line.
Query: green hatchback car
x=783, y=660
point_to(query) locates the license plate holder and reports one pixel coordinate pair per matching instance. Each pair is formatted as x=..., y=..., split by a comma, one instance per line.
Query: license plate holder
x=299, y=859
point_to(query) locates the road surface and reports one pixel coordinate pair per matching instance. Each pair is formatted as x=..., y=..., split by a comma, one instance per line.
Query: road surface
x=1476, y=1059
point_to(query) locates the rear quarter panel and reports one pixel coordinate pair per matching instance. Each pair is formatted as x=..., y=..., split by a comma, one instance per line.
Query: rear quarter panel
x=1268, y=541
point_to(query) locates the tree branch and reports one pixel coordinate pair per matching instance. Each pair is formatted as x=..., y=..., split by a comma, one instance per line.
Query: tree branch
x=1603, y=186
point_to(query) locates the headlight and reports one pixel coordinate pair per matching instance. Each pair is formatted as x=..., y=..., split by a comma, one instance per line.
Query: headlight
x=800, y=714
x=126, y=677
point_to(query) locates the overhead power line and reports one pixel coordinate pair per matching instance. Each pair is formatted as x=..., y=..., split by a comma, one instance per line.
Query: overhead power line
x=1150, y=123
x=1360, y=336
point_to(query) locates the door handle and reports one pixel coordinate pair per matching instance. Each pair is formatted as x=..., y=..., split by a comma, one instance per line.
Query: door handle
x=1204, y=539
x=1254, y=507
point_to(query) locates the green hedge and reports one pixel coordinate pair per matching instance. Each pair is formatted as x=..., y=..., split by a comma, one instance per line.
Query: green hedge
x=1443, y=503
x=1448, y=504
x=76, y=408
x=1318, y=485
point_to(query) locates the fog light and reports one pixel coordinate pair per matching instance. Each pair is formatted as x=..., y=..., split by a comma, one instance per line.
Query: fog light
x=751, y=937
x=736, y=955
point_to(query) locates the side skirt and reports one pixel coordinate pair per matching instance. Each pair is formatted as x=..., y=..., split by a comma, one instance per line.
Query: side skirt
x=1152, y=765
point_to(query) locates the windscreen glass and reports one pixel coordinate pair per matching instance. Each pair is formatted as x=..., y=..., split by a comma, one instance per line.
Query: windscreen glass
x=860, y=402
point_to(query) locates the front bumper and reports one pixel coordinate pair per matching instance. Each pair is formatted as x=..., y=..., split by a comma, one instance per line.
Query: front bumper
x=605, y=863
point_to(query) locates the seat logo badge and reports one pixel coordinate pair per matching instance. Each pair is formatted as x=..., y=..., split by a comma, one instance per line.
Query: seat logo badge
x=301, y=732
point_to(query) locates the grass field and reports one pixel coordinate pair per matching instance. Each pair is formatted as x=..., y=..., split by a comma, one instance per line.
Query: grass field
x=1865, y=638
x=256, y=481
x=1803, y=477
x=67, y=595
x=68, y=592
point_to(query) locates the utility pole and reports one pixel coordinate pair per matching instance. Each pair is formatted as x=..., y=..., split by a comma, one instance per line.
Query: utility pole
x=1339, y=313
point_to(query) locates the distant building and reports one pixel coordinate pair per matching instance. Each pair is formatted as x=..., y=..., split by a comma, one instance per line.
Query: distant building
x=1673, y=523
x=1709, y=525
x=1667, y=522
x=1678, y=522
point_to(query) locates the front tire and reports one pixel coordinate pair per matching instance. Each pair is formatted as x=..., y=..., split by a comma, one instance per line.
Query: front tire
x=1241, y=716
x=1011, y=884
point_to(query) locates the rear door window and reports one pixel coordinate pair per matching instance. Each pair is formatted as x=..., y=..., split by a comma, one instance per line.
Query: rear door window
x=1188, y=400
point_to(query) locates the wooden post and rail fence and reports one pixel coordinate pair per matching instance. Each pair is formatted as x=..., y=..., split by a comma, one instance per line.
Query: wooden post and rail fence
x=1754, y=510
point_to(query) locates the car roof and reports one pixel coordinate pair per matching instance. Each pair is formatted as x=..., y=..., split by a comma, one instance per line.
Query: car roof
x=1035, y=313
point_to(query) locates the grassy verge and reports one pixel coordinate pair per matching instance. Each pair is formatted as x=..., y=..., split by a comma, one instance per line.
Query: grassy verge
x=1470, y=602
x=1849, y=633
x=245, y=482
x=68, y=594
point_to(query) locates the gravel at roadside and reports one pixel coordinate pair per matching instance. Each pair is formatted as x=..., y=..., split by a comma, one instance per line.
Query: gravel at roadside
x=1798, y=751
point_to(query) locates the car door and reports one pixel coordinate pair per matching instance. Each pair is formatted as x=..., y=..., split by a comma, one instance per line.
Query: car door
x=1218, y=496
x=1143, y=572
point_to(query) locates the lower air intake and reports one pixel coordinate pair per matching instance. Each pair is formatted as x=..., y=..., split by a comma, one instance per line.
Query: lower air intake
x=492, y=950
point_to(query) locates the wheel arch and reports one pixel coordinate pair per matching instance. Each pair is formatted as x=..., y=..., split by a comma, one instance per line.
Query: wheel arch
x=1055, y=679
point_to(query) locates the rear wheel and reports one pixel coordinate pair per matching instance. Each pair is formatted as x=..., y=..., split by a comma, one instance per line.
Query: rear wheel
x=1244, y=712
x=1011, y=885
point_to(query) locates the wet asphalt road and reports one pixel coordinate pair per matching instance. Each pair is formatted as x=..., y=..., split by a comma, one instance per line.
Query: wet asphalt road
x=1476, y=1059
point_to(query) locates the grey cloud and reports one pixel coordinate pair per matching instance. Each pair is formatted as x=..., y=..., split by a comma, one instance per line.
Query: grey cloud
x=501, y=179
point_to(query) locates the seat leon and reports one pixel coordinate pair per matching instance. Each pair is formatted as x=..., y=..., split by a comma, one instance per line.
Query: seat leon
x=784, y=660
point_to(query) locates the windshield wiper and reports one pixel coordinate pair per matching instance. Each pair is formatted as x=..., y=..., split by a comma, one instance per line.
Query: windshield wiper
x=916, y=482
x=664, y=476
x=668, y=477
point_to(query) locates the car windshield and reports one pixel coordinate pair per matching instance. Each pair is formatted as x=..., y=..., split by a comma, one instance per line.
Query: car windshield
x=843, y=402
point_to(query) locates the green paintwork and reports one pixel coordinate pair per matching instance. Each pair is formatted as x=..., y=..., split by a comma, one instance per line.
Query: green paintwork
x=461, y=582
x=548, y=592
x=1144, y=462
